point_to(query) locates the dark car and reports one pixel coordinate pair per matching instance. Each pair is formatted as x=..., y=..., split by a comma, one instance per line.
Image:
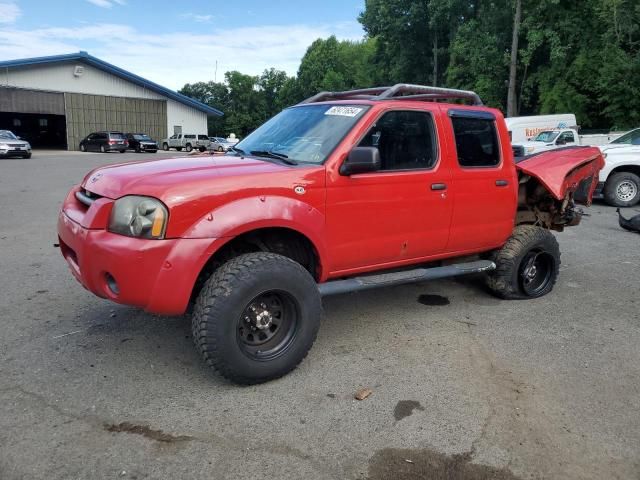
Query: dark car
x=104, y=142
x=141, y=142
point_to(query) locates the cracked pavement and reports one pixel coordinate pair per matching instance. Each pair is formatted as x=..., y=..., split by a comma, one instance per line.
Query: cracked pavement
x=530, y=389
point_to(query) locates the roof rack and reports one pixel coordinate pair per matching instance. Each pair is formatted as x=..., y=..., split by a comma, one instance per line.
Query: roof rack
x=401, y=91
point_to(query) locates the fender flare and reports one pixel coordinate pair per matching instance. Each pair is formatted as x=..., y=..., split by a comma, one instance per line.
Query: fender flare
x=269, y=211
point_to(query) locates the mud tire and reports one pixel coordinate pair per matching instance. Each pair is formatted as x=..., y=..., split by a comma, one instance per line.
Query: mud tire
x=527, y=241
x=223, y=301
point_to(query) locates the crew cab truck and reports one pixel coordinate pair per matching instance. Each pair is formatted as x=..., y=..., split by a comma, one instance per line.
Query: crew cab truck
x=187, y=141
x=346, y=191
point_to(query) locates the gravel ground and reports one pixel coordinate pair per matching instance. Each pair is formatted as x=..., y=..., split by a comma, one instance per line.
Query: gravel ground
x=465, y=386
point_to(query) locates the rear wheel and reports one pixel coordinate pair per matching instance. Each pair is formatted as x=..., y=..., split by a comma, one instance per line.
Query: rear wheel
x=122, y=151
x=165, y=147
x=256, y=317
x=527, y=265
x=202, y=149
x=102, y=149
x=220, y=149
x=622, y=189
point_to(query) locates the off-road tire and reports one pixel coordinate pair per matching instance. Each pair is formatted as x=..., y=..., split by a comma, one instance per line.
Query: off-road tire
x=165, y=147
x=188, y=147
x=613, y=184
x=222, y=303
x=507, y=280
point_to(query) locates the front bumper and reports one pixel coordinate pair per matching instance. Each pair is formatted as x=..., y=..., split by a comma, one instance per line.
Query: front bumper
x=15, y=152
x=156, y=275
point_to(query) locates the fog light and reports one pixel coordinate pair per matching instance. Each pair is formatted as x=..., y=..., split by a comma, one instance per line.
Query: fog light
x=112, y=284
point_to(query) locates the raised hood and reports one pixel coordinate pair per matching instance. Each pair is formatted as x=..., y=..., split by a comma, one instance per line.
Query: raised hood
x=562, y=171
x=165, y=178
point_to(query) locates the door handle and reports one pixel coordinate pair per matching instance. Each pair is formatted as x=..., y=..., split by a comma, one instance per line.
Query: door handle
x=438, y=186
x=501, y=183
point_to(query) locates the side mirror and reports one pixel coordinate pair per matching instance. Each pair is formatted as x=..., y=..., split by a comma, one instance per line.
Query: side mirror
x=361, y=160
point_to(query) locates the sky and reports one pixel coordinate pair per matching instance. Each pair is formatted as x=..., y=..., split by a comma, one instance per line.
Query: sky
x=177, y=42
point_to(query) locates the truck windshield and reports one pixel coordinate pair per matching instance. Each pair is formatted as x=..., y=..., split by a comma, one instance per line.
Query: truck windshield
x=305, y=134
x=546, y=137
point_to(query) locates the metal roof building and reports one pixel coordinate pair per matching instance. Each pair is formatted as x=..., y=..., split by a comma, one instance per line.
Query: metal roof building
x=56, y=101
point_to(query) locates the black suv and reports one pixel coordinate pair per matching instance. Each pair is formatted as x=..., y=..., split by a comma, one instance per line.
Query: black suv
x=104, y=142
x=141, y=142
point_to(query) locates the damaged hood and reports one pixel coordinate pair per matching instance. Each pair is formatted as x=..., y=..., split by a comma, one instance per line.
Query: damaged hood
x=563, y=171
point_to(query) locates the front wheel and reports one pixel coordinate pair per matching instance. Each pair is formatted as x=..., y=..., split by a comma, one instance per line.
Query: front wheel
x=165, y=147
x=189, y=147
x=622, y=189
x=256, y=317
x=527, y=265
x=221, y=149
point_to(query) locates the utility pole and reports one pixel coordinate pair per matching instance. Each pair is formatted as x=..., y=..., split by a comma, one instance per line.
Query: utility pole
x=512, y=101
x=215, y=74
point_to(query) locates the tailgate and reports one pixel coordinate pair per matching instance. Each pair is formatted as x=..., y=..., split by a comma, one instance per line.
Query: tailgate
x=566, y=170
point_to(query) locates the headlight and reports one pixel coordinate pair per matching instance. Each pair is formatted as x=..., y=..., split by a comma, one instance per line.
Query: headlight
x=140, y=217
x=4, y=146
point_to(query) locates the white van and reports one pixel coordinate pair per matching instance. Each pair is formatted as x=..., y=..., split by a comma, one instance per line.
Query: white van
x=522, y=129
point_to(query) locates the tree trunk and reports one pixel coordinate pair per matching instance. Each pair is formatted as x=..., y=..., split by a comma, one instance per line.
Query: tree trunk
x=435, y=60
x=512, y=101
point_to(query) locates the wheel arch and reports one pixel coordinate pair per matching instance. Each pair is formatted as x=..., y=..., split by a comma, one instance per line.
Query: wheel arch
x=283, y=240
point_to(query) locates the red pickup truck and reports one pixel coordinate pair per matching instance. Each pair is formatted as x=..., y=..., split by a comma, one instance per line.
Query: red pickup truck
x=346, y=191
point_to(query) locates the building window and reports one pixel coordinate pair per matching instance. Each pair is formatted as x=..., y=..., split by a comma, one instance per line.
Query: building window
x=17, y=122
x=43, y=122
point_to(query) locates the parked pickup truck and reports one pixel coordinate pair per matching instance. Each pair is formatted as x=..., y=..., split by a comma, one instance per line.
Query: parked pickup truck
x=344, y=192
x=552, y=139
x=188, y=141
x=620, y=177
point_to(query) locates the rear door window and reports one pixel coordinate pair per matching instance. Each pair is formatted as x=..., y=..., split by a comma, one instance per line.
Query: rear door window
x=203, y=137
x=476, y=137
x=189, y=136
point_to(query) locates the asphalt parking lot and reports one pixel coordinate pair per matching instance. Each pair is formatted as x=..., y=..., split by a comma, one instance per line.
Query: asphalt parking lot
x=465, y=386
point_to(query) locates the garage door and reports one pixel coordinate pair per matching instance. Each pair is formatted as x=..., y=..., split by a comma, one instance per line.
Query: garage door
x=31, y=101
x=92, y=113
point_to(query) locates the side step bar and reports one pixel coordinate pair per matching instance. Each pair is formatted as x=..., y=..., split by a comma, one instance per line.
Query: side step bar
x=398, y=278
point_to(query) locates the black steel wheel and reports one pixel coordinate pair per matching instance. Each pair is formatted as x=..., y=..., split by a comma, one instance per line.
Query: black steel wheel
x=536, y=271
x=256, y=317
x=268, y=325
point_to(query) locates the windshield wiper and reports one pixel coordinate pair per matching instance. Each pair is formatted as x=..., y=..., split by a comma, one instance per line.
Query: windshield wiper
x=239, y=150
x=278, y=156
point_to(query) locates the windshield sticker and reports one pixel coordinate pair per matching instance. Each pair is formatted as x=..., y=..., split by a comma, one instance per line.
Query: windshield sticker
x=344, y=111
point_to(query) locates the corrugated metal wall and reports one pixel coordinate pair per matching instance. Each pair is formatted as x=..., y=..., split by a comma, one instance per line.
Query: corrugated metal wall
x=92, y=113
x=31, y=101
